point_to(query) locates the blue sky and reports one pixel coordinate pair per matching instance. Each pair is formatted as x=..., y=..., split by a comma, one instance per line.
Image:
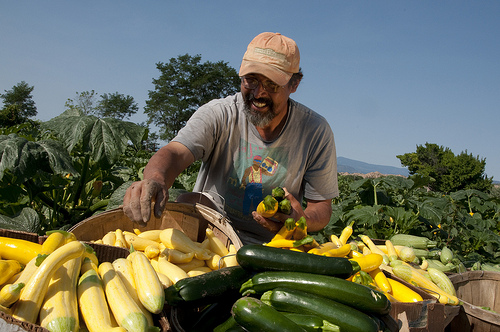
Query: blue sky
x=387, y=75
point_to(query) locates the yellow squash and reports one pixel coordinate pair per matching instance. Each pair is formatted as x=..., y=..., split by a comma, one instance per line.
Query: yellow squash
x=93, y=305
x=286, y=231
x=403, y=293
x=215, y=244
x=149, y=288
x=268, y=207
x=59, y=311
x=123, y=267
x=368, y=262
x=20, y=250
x=8, y=268
x=28, y=305
x=10, y=293
x=176, y=239
x=175, y=272
x=125, y=310
x=411, y=275
x=380, y=280
x=346, y=233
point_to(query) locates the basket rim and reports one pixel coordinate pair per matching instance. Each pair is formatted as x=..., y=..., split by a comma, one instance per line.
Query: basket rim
x=203, y=210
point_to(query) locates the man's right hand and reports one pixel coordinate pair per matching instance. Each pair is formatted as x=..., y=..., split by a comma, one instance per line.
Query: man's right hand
x=138, y=199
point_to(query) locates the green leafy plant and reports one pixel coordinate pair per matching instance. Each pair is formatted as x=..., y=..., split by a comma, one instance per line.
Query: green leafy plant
x=467, y=220
x=69, y=170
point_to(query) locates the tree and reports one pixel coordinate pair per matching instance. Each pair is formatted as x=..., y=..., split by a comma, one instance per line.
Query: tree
x=117, y=106
x=449, y=172
x=85, y=102
x=184, y=85
x=18, y=105
x=113, y=105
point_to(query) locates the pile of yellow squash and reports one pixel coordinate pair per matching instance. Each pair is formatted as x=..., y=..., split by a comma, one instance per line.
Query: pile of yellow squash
x=378, y=263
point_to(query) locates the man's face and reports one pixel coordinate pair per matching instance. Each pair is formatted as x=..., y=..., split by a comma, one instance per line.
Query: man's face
x=263, y=106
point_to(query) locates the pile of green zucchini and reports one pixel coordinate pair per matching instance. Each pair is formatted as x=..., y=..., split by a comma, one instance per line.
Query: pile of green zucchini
x=276, y=289
x=426, y=251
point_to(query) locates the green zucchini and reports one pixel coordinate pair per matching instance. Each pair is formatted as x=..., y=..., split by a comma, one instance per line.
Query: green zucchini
x=213, y=315
x=476, y=266
x=490, y=267
x=425, y=253
x=257, y=257
x=229, y=323
x=446, y=255
x=236, y=328
x=345, y=317
x=254, y=315
x=419, y=242
x=460, y=267
x=437, y=264
x=278, y=193
x=207, y=288
x=311, y=323
x=346, y=292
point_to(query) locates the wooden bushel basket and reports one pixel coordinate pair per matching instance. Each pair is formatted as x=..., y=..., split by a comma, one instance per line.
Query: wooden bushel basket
x=477, y=289
x=192, y=219
x=104, y=254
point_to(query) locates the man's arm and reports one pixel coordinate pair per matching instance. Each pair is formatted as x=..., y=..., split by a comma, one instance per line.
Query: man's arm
x=317, y=214
x=159, y=175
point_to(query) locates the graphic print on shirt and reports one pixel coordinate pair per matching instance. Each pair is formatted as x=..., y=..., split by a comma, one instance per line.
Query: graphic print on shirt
x=257, y=171
x=252, y=183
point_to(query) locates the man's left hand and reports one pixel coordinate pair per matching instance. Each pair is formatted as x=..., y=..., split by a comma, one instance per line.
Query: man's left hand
x=274, y=225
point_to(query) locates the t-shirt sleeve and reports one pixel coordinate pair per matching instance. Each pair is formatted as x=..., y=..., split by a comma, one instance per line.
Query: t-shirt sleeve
x=320, y=178
x=201, y=131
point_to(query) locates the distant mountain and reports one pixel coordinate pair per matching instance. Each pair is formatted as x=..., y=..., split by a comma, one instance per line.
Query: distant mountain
x=354, y=166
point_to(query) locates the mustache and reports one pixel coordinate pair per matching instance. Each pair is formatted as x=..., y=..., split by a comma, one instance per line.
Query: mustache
x=250, y=98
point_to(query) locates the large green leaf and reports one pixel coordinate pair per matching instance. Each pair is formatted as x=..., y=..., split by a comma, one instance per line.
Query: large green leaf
x=105, y=139
x=116, y=198
x=25, y=158
x=26, y=221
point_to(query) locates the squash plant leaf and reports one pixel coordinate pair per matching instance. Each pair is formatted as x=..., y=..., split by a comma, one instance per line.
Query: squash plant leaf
x=368, y=215
x=116, y=199
x=26, y=221
x=105, y=139
x=24, y=158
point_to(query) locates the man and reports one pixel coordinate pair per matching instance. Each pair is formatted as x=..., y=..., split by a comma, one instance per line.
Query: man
x=293, y=144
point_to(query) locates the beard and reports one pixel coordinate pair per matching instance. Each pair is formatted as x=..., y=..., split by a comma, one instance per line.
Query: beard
x=259, y=119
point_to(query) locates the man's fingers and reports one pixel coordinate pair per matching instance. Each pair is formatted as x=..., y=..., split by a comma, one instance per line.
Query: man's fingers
x=139, y=198
x=160, y=201
x=131, y=206
x=270, y=225
x=297, y=210
x=149, y=192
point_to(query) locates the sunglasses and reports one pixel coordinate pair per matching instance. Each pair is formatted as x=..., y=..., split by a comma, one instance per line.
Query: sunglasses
x=252, y=83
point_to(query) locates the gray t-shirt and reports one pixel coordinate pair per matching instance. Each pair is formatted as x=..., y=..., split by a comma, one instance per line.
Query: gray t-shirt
x=243, y=168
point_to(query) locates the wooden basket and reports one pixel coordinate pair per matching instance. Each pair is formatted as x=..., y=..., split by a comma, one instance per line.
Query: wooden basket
x=192, y=219
x=425, y=316
x=477, y=289
x=103, y=253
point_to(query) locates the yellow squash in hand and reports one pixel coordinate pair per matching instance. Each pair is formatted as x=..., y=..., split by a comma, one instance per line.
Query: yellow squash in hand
x=268, y=207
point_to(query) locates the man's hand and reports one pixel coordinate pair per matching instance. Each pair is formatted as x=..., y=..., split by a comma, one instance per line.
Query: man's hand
x=138, y=199
x=270, y=225
x=317, y=214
